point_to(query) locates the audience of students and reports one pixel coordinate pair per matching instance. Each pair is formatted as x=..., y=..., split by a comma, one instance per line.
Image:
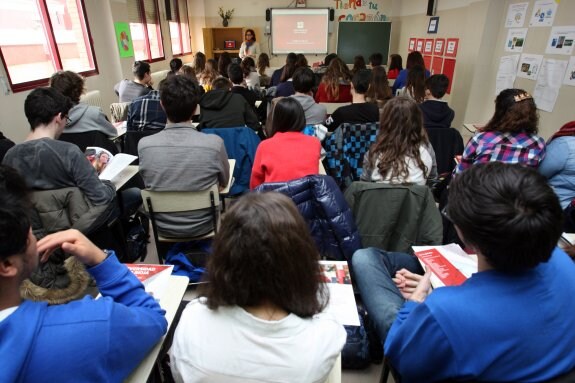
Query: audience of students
x=209, y=74
x=81, y=340
x=379, y=91
x=510, y=136
x=260, y=316
x=251, y=76
x=220, y=108
x=413, y=58
x=335, y=83
x=83, y=117
x=395, y=66
x=250, y=47
x=512, y=320
x=128, y=90
x=358, y=64
x=303, y=82
x=559, y=163
x=401, y=153
x=179, y=158
x=415, y=85
x=288, y=153
x=359, y=111
x=263, y=64
x=236, y=76
x=436, y=112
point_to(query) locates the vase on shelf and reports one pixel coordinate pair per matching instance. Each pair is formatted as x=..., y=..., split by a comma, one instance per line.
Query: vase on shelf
x=225, y=22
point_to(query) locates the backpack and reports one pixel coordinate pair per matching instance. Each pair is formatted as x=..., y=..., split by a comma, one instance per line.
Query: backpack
x=137, y=229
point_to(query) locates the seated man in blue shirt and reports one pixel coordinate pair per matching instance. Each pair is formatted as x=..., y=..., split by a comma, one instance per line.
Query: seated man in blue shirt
x=87, y=340
x=513, y=320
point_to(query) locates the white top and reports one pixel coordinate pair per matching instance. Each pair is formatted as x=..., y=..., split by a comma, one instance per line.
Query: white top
x=253, y=51
x=253, y=81
x=415, y=174
x=231, y=345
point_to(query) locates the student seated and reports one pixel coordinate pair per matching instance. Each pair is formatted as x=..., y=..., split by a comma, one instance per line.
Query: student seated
x=288, y=153
x=303, y=81
x=220, y=108
x=128, y=90
x=395, y=65
x=513, y=320
x=259, y=317
x=146, y=113
x=375, y=60
x=335, y=83
x=236, y=76
x=83, y=117
x=87, y=340
x=413, y=58
x=179, y=158
x=379, y=91
x=415, y=84
x=436, y=112
x=277, y=75
x=359, y=111
x=510, y=136
x=401, y=153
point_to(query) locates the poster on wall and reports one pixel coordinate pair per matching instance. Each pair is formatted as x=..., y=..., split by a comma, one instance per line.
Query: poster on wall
x=449, y=70
x=428, y=48
x=436, y=65
x=124, y=39
x=516, y=15
x=548, y=84
x=427, y=61
x=529, y=66
x=411, y=46
x=543, y=13
x=570, y=73
x=561, y=40
x=451, y=47
x=419, y=45
x=506, y=73
x=439, y=47
x=515, y=40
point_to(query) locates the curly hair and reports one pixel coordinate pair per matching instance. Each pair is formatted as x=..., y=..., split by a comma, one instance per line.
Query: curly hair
x=264, y=253
x=336, y=72
x=379, y=87
x=69, y=83
x=401, y=134
x=515, y=111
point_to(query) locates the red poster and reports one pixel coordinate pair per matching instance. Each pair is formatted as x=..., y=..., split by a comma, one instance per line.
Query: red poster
x=419, y=45
x=439, y=47
x=436, y=65
x=411, y=46
x=449, y=70
x=428, y=47
x=451, y=47
x=427, y=61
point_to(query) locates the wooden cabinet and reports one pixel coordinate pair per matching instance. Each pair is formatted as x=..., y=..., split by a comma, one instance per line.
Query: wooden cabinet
x=214, y=41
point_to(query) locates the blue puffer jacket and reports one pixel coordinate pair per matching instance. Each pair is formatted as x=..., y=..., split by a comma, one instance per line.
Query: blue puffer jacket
x=328, y=215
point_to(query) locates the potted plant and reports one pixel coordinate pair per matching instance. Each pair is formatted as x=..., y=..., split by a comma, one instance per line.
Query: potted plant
x=226, y=16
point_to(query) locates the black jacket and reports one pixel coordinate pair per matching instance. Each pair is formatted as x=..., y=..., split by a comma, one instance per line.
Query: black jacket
x=436, y=114
x=223, y=109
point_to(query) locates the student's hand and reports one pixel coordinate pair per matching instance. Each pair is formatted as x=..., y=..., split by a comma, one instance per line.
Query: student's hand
x=423, y=288
x=72, y=242
x=406, y=282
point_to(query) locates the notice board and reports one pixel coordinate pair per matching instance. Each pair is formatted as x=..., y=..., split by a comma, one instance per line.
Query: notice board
x=363, y=38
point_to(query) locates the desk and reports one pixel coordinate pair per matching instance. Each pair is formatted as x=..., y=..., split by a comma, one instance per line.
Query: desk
x=124, y=176
x=169, y=302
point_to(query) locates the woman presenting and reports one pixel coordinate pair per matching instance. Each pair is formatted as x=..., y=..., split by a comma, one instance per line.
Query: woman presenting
x=250, y=48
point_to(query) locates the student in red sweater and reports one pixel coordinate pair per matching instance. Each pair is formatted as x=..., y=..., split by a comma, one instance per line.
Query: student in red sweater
x=288, y=154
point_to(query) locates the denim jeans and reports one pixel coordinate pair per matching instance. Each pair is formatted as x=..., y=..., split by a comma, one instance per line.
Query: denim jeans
x=373, y=269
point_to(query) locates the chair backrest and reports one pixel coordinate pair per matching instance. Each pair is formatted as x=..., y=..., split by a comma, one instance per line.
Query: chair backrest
x=93, y=98
x=395, y=217
x=158, y=76
x=132, y=138
x=91, y=138
x=119, y=111
x=345, y=150
x=447, y=143
x=241, y=144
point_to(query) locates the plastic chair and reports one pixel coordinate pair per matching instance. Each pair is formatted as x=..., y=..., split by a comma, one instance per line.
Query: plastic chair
x=156, y=202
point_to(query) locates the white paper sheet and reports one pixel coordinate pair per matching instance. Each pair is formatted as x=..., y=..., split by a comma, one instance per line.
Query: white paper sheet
x=506, y=73
x=561, y=40
x=515, y=39
x=548, y=83
x=116, y=165
x=543, y=13
x=516, y=15
x=569, y=78
x=529, y=66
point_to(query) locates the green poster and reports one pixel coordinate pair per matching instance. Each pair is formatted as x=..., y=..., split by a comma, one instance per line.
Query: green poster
x=124, y=39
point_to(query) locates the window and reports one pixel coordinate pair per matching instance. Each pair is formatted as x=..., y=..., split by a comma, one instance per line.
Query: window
x=145, y=30
x=38, y=38
x=179, y=28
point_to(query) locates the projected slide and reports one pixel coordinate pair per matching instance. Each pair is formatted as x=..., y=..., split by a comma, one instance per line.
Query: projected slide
x=299, y=30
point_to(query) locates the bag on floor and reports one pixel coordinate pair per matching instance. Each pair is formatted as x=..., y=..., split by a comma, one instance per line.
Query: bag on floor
x=137, y=238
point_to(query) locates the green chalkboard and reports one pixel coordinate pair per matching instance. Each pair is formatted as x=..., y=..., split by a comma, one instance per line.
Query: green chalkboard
x=363, y=38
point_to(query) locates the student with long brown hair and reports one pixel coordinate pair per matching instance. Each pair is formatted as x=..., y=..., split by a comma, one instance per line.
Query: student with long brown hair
x=335, y=84
x=395, y=66
x=199, y=63
x=379, y=91
x=415, y=85
x=259, y=318
x=401, y=153
x=413, y=59
x=209, y=74
x=263, y=64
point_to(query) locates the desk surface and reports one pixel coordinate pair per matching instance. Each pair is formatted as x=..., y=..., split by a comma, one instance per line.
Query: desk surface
x=170, y=302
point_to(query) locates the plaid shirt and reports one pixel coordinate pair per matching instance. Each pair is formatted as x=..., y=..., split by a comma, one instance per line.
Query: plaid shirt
x=523, y=148
x=145, y=113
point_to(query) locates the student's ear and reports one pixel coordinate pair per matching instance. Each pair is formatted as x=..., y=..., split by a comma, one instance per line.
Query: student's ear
x=8, y=268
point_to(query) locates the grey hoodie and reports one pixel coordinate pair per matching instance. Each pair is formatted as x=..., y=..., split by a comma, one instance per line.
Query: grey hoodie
x=314, y=112
x=87, y=118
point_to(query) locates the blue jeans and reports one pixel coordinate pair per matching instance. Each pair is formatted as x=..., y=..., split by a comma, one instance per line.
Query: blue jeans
x=373, y=269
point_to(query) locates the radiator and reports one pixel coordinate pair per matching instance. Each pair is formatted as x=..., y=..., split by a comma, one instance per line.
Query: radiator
x=93, y=98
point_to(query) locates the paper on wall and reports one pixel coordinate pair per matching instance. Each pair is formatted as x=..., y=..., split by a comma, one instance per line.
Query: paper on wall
x=548, y=84
x=529, y=66
x=506, y=73
x=543, y=13
x=515, y=39
x=561, y=40
x=570, y=73
x=516, y=15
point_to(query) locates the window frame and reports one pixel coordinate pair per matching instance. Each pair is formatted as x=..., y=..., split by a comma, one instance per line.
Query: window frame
x=181, y=41
x=142, y=12
x=48, y=30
